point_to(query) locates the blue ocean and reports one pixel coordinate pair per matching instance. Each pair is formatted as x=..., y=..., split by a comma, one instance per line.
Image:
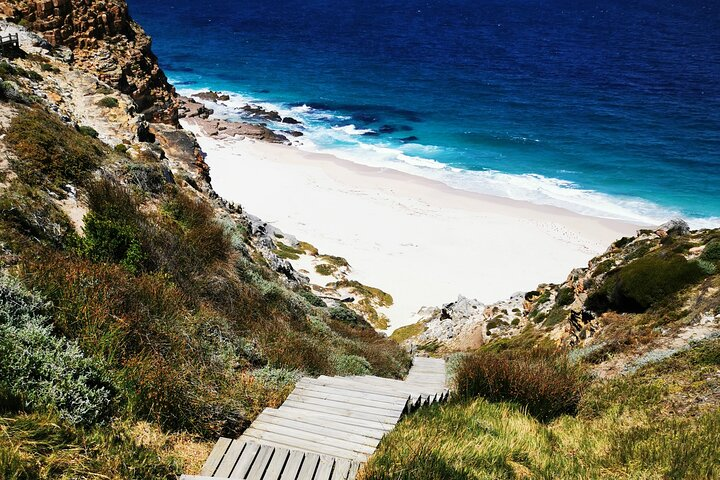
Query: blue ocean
x=610, y=108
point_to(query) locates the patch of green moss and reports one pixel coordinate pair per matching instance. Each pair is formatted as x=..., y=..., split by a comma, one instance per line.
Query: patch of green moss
x=325, y=269
x=408, y=331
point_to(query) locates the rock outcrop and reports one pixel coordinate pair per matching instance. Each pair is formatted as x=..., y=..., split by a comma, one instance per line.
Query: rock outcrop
x=105, y=41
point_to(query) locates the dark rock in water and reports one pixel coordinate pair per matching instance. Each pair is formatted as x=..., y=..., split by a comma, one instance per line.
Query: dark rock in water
x=260, y=112
x=290, y=121
x=387, y=129
x=294, y=133
x=263, y=91
x=411, y=138
x=676, y=226
x=212, y=96
x=371, y=134
x=405, y=128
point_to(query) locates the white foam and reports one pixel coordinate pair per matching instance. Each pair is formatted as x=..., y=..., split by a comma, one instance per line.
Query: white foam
x=347, y=142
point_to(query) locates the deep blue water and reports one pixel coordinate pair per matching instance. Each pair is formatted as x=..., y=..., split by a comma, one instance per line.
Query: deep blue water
x=609, y=107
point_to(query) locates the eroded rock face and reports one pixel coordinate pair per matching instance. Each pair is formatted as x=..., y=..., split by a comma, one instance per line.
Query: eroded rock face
x=106, y=42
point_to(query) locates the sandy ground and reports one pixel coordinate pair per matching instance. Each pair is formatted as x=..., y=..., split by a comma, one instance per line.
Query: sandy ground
x=417, y=239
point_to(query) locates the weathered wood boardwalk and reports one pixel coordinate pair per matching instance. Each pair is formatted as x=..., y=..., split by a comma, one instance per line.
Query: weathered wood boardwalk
x=326, y=428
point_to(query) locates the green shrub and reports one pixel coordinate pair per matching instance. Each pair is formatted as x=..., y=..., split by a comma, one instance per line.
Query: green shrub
x=278, y=378
x=644, y=282
x=42, y=370
x=711, y=253
x=48, y=151
x=325, y=269
x=344, y=314
x=565, y=297
x=108, y=102
x=351, y=365
x=311, y=298
x=88, y=131
x=546, y=384
x=121, y=148
x=108, y=240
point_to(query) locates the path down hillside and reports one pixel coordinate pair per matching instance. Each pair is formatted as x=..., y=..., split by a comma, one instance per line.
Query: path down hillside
x=326, y=428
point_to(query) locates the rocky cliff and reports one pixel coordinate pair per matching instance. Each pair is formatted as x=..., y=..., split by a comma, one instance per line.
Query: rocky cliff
x=646, y=297
x=105, y=41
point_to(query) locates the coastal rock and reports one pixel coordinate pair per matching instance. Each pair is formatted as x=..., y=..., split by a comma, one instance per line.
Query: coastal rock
x=220, y=128
x=212, y=96
x=258, y=112
x=189, y=108
x=676, y=226
x=106, y=42
x=411, y=138
x=290, y=121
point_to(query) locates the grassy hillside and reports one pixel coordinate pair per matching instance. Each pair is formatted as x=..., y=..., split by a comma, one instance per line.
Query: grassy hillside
x=148, y=322
x=661, y=422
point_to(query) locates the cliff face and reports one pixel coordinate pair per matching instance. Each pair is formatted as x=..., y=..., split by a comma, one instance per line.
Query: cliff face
x=107, y=42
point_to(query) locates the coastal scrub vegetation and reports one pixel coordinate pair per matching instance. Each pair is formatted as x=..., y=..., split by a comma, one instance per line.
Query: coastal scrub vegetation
x=643, y=425
x=153, y=311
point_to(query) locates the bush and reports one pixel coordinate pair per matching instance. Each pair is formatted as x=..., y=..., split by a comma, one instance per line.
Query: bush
x=711, y=253
x=351, y=365
x=325, y=269
x=565, y=297
x=108, y=102
x=344, y=314
x=644, y=282
x=88, y=131
x=42, y=370
x=48, y=151
x=546, y=384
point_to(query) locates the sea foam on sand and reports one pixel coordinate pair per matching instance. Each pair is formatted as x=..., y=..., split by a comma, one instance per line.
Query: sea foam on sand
x=417, y=239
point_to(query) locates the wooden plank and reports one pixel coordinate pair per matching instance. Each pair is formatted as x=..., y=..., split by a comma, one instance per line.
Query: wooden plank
x=324, y=468
x=277, y=463
x=245, y=460
x=309, y=465
x=327, y=429
x=319, y=438
x=217, y=454
x=380, y=412
x=337, y=395
x=376, y=397
x=261, y=462
x=341, y=469
x=362, y=386
x=354, y=467
x=230, y=459
x=341, y=411
x=292, y=466
x=351, y=386
x=280, y=439
x=300, y=412
x=325, y=422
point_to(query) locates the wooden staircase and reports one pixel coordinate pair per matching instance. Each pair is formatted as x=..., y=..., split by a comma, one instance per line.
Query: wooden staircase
x=326, y=428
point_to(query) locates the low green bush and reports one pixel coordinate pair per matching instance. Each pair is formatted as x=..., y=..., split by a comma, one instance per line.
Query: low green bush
x=645, y=282
x=344, y=314
x=108, y=102
x=352, y=365
x=44, y=371
x=711, y=253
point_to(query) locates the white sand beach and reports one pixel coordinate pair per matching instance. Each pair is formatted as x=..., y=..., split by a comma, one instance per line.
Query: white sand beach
x=419, y=240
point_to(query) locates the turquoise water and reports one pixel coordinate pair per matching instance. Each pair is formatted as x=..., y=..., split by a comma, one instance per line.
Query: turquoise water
x=606, y=108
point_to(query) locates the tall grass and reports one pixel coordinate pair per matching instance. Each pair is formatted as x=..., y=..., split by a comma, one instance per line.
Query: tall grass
x=543, y=382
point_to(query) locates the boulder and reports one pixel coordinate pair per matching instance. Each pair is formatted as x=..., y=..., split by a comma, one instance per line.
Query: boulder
x=676, y=226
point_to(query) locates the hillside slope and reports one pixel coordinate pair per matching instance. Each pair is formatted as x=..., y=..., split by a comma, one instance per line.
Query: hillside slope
x=141, y=316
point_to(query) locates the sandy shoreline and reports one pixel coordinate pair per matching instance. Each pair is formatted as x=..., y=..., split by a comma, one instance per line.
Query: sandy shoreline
x=418, y=239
